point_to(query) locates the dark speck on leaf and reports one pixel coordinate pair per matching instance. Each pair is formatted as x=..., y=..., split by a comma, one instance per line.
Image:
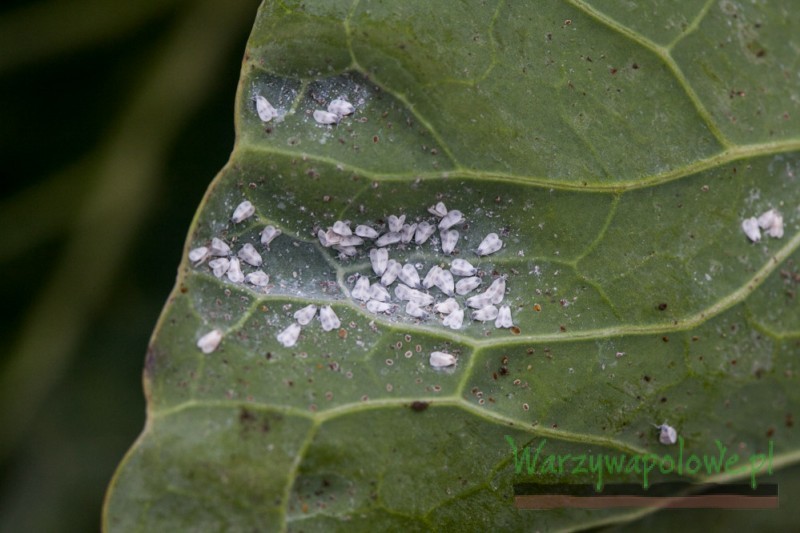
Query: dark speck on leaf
x=418, y=406
x=662, y=306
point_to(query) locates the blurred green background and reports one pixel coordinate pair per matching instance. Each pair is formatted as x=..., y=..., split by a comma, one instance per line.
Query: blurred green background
x=115, y=118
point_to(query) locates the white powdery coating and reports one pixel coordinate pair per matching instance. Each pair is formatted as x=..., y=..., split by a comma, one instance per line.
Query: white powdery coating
x=388, y=238
x=325, y=117
x=409, y=275
x=306, y=314
x=351, y=240
x=446, y=307
x=219, y=266
x=264, y=109
x=242, y=212
x=396, y=223
x=268, y=234
x=503, y=318
x=497, y=290
x=445, y=282
x=667, y=434
x=361, y=289
x=379, y=259
x=209, y=342
x=341, y=107
x=462, y=267
x=366, y=232
x=288, y=337
x=772, y=222
x=199, y=254
x=439, y=209
x=485, y=314
x=378, y=292
x=249, y=255
x=451, y=219
x=489, y=245
x=750, y=228
x=454, y=320
x=479, y=301
x=407, y=232
x=376, y=306
x=328, y=318
x=259, y=278
x=218, y=247
x=442, y=359
x=423, y=233
x=342, y=228
x=402, y=292
x=431, y=276
x=413, y=309
x=393, y=269
x=235, y=271
x=449, y=240
x=467, y=285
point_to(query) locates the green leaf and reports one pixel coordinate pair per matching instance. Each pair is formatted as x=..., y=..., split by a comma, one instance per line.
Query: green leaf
x=615, y=154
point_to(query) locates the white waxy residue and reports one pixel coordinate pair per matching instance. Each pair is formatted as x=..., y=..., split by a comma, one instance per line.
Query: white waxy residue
x=325, y=117
x=485, y=314
x=209, y=342
x=219, y=266
x=449, y=240
x=455, y=319
x=451, y=219
x=467, y=285
x=750, y=228
x=328, y=318
x=288, y=337
x=489, y=245
x=442, y=359
x=366, y=232
x=306, y=314
x=268, y=234
x=249, y=255
x=423, y=233
x=259, y=278
x=462, y=267
x=242, y=212
x=504, y=317
x=235, y=271
x=409, y=275
x=393, y=269
x=218, y=247
x=379, y=257
x=264, y=109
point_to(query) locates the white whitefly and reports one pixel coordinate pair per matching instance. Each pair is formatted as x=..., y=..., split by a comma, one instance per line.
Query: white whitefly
x=431, y=276
x=351, y=240
x=325, y=117
x=396, y=223
x=288, y=337
x=329, y=238
x=328, y=318
x=403, y=292
x=268, y=234
x=467, y=285
x=442, y=359
x=446, y=307
x=497, y=290
x=342, y=228
x=455, y=319
x=242, y=212
x=345, y=251
x=323, y=239
x=199, y=254
x=379, y=292
x=503, y=317
x=451, y=219
x=393, y=269
x=259, y=278
x=407, y=232
x=379, y=257
x=376, y=306
x=489, y=245
x=409, y=275
x=264, y=109
x=218, y=247
x=445, y=282
x=235, y=271
x=249, y=255
x=388, y=238
x=209, y=342
x=485, y=314
x=366, y=232
x=413, y=309
x=361, y=289
x=449, y=240
x=306, y=314
x=219, y=266
x=462, y=267
x=772, y=222
x=423, y=233
x=439, y=209
x=420, y=298
x=750, y=228
x=341, y=107
x=479, y=301
x=667, y=434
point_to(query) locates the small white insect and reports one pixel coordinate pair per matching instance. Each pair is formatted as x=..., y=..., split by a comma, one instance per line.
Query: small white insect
x=431, y=276
x=497, y=290
x=259, y=278
x=467, y=285
x=489, y=245
x=420, y=298
x=403, y=292
x=209, y=342
x=342, y=228
x=409, y=275
x=442, y=359
x=423, y=233
x=454, y=320
x=503, y=317
x=242, y=212
x=351, y=240
x=218, y=247
x=219, y=266
x=439, y=209
x=328, y=238
x=366, y=232
x=667, y=434
x=393, y=269
x=446, y=307
x=396, y=223
x=388, y=238
x=772, y=222
x=445, y=282
x=341, y=107
x=264, y=109
x=268, y=234
x=449, y=240
x=249, y=255
x=328, y=318
x=479, y=301
x=235, y=271
x=462, y=267
x=288, y=337
x=306, y=314
x=750, y=228
x=345, y=251
x=379, y=293
x=199, y=254
x=375, y=306
x=451, y=219
x=325, y=117
x=361, y=289
x=407, y=232
x=413, y=309
x=379, y=257
x=485, y=314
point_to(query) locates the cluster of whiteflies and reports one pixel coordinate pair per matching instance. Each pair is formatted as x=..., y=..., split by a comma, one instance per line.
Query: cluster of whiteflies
x=770, y=221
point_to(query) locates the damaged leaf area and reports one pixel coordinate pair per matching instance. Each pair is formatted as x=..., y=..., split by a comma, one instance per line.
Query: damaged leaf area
x=444, y=230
